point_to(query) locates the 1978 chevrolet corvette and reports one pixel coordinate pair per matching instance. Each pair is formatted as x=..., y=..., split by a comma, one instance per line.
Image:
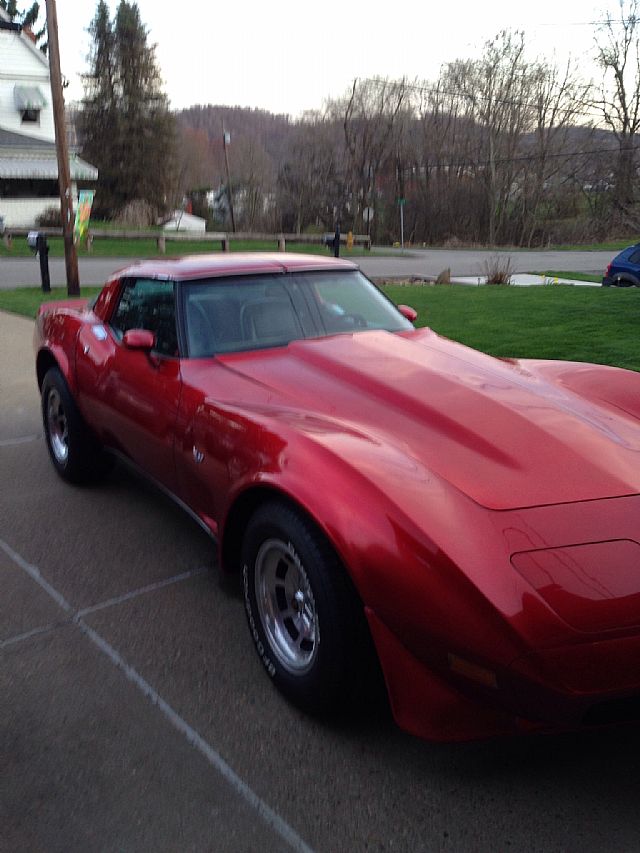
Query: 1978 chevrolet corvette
x=391, y=498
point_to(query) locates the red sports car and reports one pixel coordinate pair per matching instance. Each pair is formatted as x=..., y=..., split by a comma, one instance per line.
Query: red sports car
x=394, y=501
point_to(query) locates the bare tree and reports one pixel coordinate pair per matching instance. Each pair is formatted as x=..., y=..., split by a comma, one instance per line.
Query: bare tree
x=618, y=54
x=497, y=90
x=370, y=122
x=558, y=97
x=445, y=156
x=253, y=178
x=309, y=180
x=196, y=167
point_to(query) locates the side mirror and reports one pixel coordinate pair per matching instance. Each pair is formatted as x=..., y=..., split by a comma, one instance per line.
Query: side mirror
x=139, y=339
x=408, y=313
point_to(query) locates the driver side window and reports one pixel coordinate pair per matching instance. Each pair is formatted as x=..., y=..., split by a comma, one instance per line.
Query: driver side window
x=148, y=304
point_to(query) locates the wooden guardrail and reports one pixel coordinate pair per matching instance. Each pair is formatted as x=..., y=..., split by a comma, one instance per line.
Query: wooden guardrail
x=225, y=238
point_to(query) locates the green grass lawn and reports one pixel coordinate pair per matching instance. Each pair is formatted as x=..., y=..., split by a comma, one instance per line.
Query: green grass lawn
x=566, y=322
x=574, y=323
x=26, y=300
x=148, y=248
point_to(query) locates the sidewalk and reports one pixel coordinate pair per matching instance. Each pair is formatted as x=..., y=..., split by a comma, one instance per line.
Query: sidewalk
x=17, y=382
x=526, y=280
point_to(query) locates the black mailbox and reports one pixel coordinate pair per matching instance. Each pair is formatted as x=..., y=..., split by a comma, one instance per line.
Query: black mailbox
x=37, y=242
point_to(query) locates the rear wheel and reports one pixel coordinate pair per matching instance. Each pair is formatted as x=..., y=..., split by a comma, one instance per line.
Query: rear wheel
x=625, y=282
x=306, y=621
x=76, y=455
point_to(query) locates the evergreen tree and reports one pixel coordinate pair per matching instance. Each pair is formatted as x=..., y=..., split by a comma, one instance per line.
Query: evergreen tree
x=99, y=117
x=128, y=129
x=28, y=18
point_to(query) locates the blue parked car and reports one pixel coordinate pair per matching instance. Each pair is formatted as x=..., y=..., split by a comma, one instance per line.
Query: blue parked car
x=624, y=269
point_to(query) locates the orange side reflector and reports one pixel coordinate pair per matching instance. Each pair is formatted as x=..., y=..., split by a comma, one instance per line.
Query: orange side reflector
x=472, y=671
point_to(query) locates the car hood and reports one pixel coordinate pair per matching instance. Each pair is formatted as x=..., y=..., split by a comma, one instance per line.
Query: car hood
x=501, y=432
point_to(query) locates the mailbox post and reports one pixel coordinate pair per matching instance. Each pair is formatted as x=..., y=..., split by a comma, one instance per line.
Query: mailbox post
x=333, y=241
x=37, y=242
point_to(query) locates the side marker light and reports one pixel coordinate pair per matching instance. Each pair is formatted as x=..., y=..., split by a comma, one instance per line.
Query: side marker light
x=472, y=671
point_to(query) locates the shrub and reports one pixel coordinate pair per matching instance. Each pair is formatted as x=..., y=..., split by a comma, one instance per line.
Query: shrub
x=136, y=214
x=498, y=269
x=50, y=218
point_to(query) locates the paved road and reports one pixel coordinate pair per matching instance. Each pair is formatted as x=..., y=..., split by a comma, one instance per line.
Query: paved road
x=471, y=262
x=135, y=716
x=426, y=262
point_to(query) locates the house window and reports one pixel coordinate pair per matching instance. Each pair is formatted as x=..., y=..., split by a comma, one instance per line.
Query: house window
x=30, y=116
x=29, y=100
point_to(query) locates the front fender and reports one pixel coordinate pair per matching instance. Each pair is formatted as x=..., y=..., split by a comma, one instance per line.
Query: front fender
x=602, y=384
x=397, y=530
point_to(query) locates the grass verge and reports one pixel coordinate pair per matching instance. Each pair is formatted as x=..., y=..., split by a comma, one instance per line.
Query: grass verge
x=26, y=300
x=572, y=323
x=576, y=276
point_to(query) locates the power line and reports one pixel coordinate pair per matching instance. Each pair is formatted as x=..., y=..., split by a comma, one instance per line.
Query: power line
x=461, y=93
x=605, y=23
x=528, y=158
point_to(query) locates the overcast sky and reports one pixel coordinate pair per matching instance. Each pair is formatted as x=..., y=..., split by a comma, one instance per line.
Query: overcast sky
x=290, y=56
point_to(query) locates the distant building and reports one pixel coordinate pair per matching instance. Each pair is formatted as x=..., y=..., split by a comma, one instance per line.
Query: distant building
x=182, y=221
x=28, y=161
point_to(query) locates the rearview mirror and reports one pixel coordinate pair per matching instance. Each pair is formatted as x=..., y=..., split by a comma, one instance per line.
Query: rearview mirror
x=408, y=313
x=139, y=339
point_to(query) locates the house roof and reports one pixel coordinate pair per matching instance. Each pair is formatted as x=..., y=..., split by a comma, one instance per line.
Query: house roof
x=9, y=139
x=11, y=26
x=27, y=157
x=44, y=167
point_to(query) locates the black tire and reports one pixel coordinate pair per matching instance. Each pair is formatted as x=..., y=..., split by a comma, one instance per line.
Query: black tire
x=75, y=453
x=307, y=623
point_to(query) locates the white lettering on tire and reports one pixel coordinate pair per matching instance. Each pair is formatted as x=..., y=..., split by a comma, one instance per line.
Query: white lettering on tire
x=266, y=660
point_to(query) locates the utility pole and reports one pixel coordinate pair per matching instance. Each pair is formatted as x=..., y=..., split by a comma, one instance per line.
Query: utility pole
x=226, y=138
x=64, y=175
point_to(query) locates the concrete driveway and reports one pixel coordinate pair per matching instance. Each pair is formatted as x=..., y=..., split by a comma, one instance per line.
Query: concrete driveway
x=134, y=715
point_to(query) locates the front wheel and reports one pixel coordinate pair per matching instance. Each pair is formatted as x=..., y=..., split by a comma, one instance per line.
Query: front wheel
x=306, y=621
x=76, y=455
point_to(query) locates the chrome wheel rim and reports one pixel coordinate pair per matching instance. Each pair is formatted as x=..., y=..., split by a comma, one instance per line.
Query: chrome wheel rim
x=286, y=606
x=57, y=427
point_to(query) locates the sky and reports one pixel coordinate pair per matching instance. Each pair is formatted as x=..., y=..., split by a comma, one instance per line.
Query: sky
x=290, y=56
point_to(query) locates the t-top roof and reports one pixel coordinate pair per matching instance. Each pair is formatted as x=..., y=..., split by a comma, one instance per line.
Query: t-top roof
x=240, y=263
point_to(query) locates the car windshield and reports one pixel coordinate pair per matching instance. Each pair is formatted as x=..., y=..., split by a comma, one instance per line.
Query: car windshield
x=252, y=312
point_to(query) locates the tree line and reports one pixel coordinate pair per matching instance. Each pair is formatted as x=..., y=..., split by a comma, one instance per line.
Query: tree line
x=500, y=150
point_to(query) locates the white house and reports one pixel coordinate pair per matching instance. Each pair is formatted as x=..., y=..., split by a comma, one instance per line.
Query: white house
x=28, y=162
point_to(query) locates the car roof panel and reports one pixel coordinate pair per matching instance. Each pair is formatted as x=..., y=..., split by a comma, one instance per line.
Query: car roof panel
x=241, y=263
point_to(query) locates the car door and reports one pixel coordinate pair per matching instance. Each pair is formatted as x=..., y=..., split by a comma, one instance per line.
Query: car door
x=130, y=396
x=213, y=443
